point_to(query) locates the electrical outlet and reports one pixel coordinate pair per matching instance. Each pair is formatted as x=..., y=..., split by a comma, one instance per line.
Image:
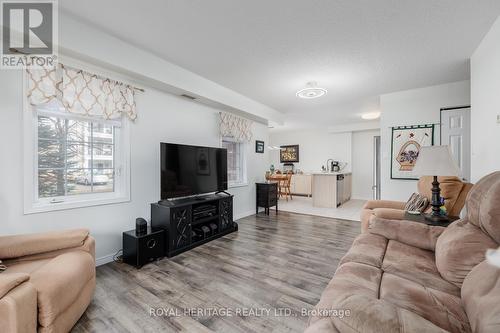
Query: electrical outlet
x=498, y=118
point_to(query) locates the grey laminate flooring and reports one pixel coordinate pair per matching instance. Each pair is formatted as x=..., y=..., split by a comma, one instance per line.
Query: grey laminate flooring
x=274, y=268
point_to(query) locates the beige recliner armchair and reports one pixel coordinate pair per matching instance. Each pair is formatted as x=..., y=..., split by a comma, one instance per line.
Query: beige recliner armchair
x=49, y=280
x=453, y=190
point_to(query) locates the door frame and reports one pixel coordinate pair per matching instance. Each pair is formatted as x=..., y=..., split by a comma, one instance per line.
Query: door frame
x=376, y=172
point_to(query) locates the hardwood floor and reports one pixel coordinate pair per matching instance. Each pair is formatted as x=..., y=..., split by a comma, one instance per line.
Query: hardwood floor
x=277, y=263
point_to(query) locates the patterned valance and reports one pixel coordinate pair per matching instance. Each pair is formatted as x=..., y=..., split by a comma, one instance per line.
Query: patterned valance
x=81, y=92
x=235, y=127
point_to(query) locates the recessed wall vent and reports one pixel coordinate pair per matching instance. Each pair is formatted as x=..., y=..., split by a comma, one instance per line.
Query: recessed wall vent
x=188, y=97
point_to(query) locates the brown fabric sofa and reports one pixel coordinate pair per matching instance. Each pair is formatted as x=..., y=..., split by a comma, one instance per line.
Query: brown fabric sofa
x=404, y=276
x=453, y=190
x=49, y=280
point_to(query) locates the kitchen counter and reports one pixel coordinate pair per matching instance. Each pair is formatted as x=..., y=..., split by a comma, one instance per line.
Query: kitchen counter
x=328, y=192
x=331, y=173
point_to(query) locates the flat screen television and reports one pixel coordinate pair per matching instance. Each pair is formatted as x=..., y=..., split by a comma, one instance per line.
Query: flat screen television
x=191, y=170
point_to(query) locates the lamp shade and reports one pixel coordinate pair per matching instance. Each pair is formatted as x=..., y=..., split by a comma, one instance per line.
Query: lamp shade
x=435, y=161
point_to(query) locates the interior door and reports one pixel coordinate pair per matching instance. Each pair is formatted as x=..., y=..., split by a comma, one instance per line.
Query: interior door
x=455, y=132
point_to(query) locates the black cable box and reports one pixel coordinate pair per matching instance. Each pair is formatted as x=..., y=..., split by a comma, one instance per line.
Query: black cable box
x=204, y=211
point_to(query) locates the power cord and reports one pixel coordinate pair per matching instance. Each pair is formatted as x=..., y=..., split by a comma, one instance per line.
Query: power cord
x=118, y=257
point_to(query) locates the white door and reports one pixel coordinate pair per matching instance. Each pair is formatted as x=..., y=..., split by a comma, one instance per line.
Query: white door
x=455, y=132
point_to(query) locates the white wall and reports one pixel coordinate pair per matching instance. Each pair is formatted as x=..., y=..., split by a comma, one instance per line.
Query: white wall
x=161, y=117
x=315, y=147
x=485, y=96
x=87, y=42
x=362, y=164
x=414, y=107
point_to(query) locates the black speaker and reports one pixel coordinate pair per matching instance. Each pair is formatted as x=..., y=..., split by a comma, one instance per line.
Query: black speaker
x=141, y=226
x=138, y=250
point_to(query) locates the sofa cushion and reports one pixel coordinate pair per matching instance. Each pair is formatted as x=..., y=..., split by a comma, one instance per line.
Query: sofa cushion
x=480, y=295
x=459, y=248
x=389, y=213
x=367, y=249
x=442, y=309
x=356, y=287
x=59, y=282
x=394, y=257
x=411, y=233
x=482, y=205
x=416, y=265
x=27, y=266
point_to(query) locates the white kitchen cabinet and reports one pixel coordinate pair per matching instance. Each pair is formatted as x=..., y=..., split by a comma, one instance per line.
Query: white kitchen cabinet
x=301, y=184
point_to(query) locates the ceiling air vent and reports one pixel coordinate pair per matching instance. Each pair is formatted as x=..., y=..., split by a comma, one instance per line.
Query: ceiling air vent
x=188, y=97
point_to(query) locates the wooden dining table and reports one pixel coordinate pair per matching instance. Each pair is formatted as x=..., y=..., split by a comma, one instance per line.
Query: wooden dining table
x=276, y=177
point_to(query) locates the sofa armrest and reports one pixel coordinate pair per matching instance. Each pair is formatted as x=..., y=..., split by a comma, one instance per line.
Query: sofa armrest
x=389, y=213
x=9, y=281
x=372, y=204
x=24, y=245
x=18, y=306
x=408, y=232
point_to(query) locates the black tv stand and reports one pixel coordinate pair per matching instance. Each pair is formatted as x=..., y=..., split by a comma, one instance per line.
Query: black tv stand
x=191, y=222
x=218, y=192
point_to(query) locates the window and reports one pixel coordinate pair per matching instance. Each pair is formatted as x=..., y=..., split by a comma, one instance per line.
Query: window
x=236, y=164
x=76, y=161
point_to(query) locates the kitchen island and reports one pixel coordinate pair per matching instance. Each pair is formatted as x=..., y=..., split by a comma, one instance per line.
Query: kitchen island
x=331, y=189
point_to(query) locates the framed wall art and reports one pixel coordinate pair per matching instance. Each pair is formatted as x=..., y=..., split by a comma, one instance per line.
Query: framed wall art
x=406, y=144
x=259, y=146
x=289, y=154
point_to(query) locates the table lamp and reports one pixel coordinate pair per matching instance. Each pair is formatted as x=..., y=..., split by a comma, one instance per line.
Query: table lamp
x=436, y=161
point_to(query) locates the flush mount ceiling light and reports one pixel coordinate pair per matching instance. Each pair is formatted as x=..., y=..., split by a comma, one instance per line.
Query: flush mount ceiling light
x=371, y=115
x=311, y=91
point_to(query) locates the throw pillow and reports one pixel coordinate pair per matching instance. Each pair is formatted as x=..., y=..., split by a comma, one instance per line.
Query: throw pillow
x=417, y=202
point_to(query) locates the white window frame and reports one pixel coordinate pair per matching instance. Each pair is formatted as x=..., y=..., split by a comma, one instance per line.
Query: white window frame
x=243, y=163
x=34, y=204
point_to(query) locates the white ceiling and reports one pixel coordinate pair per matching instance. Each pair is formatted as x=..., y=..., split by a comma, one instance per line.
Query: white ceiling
x=267, y=50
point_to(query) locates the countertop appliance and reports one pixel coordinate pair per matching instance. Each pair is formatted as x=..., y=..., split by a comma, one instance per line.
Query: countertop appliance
x=334, y=166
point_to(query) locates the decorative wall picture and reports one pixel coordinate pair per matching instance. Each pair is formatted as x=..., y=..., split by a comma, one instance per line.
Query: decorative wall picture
x=203, y=161
x=259, y=146
x=406, y=144
x=289, y=154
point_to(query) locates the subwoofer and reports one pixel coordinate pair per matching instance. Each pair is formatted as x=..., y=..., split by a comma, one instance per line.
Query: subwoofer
x=139, y=250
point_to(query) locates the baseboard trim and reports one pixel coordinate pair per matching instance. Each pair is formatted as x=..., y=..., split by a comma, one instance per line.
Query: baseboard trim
x=109, y=258
x=242, y=215
x=364, y=199
x=104, y=260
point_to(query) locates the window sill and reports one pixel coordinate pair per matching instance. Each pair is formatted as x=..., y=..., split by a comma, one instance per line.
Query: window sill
x=237, y=185
x=49, y=207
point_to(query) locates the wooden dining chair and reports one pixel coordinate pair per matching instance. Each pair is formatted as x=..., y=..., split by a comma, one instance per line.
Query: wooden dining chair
x=285, y=186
